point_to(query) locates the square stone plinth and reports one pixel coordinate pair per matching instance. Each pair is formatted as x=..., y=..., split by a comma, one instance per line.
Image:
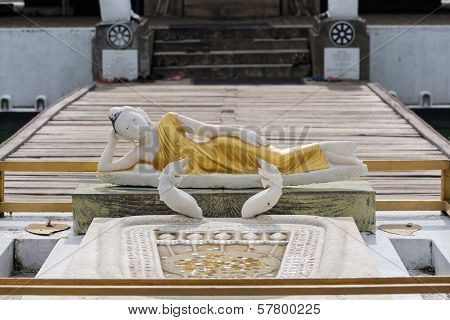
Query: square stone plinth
x=353, y=198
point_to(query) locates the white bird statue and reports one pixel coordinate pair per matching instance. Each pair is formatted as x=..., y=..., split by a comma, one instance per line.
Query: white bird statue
x=267, y=199
x=177, y=200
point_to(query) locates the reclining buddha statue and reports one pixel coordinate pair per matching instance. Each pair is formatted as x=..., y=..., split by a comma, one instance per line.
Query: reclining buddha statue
x=215, y=156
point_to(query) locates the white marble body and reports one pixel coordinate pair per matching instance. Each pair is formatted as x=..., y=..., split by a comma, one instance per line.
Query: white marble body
x=268, y=198
x=145, y=176
x=176, y=199
x=181, y=202
x=341, y=156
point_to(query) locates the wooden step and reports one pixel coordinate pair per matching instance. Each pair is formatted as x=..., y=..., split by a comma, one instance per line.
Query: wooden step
x=235, y=71
x=261, y=57
x=231, y=8
x=249, y=32
x=192, y=45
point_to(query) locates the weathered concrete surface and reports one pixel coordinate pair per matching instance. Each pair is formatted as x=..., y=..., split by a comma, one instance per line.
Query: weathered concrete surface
x=435, y=231
x=25, y=251
x=436, y=227
x=335, y=199
x=414, y=57
x=59, y=258
x=6, y=257
x=30, y=254
x=29, y=55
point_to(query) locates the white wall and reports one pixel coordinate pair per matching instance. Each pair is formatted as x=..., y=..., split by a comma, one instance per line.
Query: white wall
x=53, y=62
x=34, y=62
x=411, y=61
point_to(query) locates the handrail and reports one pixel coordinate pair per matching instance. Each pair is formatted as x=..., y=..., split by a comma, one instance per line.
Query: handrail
x=406, y=165
x=49, y=166
x=224, y=287
x=91, y=166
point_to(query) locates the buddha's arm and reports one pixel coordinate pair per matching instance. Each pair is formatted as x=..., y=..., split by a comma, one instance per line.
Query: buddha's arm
x=210, y=131
x=107, y=162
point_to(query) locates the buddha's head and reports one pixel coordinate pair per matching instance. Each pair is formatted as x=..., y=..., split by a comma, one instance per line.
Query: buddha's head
x=129, y=122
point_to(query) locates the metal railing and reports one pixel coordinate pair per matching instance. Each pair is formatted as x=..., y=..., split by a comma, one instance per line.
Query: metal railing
x=91, y=166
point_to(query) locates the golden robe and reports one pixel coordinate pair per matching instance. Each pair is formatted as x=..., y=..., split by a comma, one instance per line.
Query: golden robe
x=225, y=154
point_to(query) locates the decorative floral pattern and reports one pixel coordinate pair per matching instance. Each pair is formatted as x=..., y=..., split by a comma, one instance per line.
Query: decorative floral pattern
x=223, y=251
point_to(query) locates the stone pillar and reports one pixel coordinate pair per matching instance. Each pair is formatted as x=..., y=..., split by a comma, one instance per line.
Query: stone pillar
x=122, y=50
x=340, y=46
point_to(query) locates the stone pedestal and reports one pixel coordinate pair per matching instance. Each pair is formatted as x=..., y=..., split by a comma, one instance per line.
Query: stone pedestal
x=122, y=50
x=354, y=198
x=340, y=48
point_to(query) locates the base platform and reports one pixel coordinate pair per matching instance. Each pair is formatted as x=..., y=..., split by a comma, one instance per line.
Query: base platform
x=354, y=198
x=170, y=247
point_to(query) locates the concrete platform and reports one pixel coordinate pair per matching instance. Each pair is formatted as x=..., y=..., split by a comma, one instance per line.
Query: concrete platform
x=59, y=258
x=6, y=257
x=135, y=247
x=388, y=262
x=22, y=253
x=428, y=247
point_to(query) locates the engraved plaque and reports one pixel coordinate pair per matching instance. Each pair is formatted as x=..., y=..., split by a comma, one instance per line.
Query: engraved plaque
x=342, y=63
x=120, y=64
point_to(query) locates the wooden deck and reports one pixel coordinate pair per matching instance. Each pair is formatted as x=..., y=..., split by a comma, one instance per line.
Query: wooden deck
x=76, y=128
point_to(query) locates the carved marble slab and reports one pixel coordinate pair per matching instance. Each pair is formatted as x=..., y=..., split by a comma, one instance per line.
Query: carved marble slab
x=180, y=247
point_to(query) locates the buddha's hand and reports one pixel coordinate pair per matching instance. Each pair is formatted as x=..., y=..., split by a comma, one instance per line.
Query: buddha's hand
x=179, y=166
x=252, y=138
x=113, y=137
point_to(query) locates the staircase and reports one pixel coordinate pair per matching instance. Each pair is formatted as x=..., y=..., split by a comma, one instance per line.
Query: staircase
x=232, y=50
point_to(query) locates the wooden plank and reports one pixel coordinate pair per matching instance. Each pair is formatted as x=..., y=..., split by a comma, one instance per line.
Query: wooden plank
x=223, y=287
x=420, y=125
x=227, y=282
x=384, y=165
x=24, y=134
x=91, y=166
x=36, y=207
x=410, y=205
x=445, y=189
x=381, y=205
x=49, y=166
x=2, y=191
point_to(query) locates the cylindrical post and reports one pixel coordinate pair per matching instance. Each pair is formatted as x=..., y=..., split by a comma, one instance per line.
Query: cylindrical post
x=2, y=191
x=445, y=188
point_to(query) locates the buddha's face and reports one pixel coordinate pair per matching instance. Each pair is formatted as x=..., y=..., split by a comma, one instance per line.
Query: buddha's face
x=128, y=122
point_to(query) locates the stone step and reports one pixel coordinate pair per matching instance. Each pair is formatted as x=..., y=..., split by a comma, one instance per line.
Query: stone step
x=231, y=8
x=221, y=32
x=262, y=57
x=193, y=45
x=235, y=71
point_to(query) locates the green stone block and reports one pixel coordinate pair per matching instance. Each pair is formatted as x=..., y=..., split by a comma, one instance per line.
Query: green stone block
x=353, y=198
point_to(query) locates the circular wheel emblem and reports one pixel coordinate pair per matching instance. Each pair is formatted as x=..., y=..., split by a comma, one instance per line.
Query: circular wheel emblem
x=120, y=36
x=342, y=33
